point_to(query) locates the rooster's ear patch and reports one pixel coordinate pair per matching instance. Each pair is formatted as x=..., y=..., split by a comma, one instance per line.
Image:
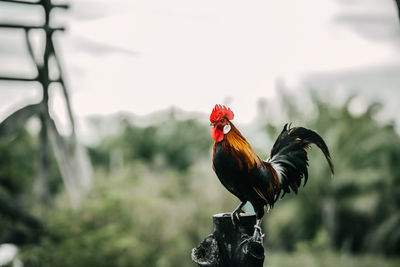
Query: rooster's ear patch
x=227, y=128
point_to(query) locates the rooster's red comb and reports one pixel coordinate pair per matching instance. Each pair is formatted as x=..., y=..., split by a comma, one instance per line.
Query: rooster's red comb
x=219, y=112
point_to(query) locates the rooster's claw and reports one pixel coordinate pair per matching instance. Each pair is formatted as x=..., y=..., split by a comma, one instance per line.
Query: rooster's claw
x=235, y=216
x=258, y=235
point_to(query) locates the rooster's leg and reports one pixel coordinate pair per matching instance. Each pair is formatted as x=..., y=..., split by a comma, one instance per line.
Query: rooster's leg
x=236, y=213
x=258, y=235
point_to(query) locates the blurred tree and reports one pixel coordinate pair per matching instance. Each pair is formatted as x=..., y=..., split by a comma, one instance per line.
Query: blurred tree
x=145, y=217
x=170, y=143
x=17, y=163
x=17, y=168
x=359, y=207
x=160, y=204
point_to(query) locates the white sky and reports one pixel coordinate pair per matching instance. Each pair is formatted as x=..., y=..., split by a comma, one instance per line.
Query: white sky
x=145, y=55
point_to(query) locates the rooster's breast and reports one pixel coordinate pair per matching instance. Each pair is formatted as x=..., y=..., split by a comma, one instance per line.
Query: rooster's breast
x=229, y=173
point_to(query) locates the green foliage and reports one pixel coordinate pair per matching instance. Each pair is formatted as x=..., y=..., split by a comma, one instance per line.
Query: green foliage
x=17, y=171
x=359, y=207
x=142, y=217
x=312, y=258
x=176, y=143
x=158, y=204
x=16, y=163
x=18, y=166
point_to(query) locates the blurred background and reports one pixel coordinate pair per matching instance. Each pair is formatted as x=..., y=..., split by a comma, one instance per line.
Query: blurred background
x=105, y=153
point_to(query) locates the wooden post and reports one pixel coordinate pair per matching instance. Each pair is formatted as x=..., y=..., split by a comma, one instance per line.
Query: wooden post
x=230, y=245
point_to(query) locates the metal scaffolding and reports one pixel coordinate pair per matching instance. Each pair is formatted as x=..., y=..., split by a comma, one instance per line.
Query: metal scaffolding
x=67, y=152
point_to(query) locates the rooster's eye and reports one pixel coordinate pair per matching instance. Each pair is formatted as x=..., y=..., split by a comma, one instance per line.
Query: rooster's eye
x=222, y=121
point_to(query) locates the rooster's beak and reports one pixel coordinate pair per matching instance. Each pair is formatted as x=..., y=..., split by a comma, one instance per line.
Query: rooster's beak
x=212, y=124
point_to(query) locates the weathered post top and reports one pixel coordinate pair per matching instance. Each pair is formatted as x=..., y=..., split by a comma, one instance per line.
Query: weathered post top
x=229, y=244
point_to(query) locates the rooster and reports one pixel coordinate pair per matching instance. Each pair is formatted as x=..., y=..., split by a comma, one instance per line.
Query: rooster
x=249, y=178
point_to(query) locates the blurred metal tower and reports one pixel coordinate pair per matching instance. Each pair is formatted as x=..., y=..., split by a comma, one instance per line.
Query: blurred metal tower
x=72, y=160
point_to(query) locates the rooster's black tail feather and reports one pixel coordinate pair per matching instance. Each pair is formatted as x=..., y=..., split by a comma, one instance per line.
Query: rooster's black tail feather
x=289, y=156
